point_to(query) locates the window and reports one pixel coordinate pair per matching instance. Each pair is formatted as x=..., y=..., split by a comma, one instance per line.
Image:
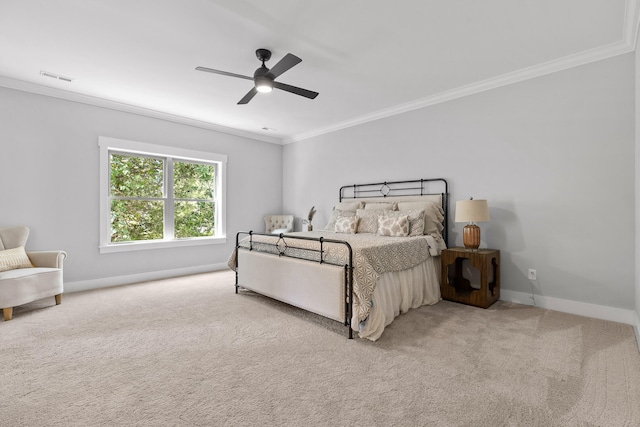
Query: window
x=154, y=196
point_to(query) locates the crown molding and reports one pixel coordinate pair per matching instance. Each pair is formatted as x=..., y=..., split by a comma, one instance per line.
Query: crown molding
x=626, y=45
x=127, y=108
x=550, y=67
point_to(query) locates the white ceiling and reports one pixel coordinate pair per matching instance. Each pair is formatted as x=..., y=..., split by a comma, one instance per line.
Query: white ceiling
x=367, y=58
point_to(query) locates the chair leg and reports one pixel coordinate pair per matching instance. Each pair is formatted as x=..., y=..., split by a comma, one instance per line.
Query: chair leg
x=58, y=299
x=8, y=313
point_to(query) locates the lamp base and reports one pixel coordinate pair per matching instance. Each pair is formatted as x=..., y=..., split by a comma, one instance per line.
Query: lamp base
x=471, y=237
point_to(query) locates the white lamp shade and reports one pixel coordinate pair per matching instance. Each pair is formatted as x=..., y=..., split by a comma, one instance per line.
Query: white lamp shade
x=472, y=211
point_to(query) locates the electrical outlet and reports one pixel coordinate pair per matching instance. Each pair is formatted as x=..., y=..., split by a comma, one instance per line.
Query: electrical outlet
x=532, y=274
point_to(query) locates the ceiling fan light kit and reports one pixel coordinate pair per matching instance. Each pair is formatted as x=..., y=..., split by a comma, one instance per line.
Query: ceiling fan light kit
x=264, y=78
x=263, y=84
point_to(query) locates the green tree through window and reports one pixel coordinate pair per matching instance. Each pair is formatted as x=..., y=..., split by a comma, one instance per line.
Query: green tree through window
x=146, y=204
x=193, y=193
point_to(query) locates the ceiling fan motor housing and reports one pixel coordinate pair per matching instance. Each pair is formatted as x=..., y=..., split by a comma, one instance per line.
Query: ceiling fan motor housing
x=263, y=80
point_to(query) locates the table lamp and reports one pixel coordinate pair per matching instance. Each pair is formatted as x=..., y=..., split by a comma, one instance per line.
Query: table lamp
x=471, y=211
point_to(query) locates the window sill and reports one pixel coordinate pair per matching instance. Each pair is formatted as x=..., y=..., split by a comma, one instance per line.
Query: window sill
x=160, y=244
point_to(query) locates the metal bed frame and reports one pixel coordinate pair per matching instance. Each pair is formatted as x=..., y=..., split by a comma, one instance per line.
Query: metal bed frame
x=416, y=187
x=355, y=191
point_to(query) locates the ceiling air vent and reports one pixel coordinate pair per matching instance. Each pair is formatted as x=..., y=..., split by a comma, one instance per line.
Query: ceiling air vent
x=55, y=76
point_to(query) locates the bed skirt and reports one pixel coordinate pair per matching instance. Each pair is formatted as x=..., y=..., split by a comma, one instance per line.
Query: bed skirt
x=397, y=292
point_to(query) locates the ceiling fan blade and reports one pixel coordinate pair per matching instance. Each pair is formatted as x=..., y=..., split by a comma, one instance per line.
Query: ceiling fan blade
x=284, y=64
x=298, y=91
x=224, y=73
x=249, y=96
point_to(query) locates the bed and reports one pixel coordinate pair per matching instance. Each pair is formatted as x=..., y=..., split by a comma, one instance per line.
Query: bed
x=378, y=257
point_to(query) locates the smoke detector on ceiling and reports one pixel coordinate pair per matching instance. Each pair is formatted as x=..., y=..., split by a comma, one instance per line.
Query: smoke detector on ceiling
x=55, y=76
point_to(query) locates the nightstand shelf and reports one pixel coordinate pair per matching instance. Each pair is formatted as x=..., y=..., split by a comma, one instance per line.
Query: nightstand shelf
x=461, y=285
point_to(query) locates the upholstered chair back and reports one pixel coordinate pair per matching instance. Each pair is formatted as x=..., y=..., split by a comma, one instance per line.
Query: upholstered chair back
x=13, y=237
x=278, y=223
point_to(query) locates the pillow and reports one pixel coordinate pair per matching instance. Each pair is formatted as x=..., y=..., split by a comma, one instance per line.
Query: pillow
x=12, y=259
x=416, y=220
x=379, y=206
x=334, y=216
x=433, y=215
x=368, y=220
x=348, y=206
x=393, y=226
x=347, y=224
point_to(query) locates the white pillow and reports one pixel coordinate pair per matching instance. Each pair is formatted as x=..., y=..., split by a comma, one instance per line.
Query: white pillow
x=348, y=206
x=380, y=206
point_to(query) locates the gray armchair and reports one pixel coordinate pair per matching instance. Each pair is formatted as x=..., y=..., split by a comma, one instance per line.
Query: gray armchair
x=276, y=224
x=22, y=285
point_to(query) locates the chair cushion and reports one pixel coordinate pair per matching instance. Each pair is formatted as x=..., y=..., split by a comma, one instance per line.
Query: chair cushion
x=24, y=285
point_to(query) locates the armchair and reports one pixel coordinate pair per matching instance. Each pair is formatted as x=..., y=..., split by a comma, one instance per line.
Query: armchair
x=25, y=284
x=276, y=224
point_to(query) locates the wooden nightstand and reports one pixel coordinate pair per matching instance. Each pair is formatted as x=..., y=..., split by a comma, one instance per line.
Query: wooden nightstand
x=457, y=284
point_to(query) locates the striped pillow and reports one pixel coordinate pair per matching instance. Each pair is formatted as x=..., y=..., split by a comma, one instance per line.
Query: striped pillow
x=12, y=259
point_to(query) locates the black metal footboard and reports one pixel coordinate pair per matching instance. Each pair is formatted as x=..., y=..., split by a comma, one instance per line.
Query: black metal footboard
x=284, y=246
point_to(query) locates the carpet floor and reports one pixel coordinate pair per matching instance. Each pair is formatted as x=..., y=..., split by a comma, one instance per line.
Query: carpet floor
x=190, y=352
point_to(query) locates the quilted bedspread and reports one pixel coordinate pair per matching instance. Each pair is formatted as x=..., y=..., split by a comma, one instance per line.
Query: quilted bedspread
x=373, y=255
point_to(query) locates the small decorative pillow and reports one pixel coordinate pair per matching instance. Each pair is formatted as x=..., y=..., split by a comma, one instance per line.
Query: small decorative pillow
x=416, y=220
x=331, y=226
x=368, y=220
x=12, y=259
x=394, y=227
x=347, y=224
x=433, y=215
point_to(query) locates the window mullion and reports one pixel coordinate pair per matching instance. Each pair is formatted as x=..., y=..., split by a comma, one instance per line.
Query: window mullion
x=169, y=206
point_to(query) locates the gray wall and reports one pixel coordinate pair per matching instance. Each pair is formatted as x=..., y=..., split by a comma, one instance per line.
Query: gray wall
x=554, y=156
x=637, y=158
x=49, y=181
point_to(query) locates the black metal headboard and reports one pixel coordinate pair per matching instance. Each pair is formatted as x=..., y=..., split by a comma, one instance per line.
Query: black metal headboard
x=416, y=187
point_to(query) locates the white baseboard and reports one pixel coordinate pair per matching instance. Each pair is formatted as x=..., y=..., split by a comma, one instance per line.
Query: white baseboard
x=620, y=315
x=85, y=285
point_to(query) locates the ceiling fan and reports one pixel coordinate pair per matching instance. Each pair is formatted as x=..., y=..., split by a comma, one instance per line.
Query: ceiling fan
x=264, y=78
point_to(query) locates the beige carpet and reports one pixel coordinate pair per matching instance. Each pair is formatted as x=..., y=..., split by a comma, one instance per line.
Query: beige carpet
x=190, y=352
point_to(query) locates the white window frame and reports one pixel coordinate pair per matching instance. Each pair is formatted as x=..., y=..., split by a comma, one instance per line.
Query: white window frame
x=107, y=144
